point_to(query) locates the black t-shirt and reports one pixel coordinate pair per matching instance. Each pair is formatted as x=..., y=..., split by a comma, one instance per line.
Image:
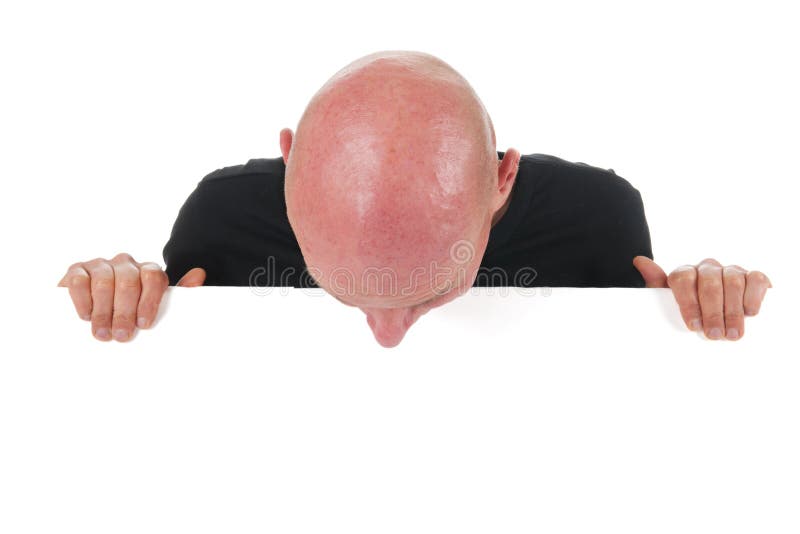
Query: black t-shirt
x=568, y=224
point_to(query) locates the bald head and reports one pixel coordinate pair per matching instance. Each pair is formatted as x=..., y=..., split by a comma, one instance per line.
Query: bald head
x=391, y=185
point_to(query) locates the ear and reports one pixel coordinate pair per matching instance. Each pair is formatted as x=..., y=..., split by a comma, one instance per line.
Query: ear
x=286, y=144
x=506, y=175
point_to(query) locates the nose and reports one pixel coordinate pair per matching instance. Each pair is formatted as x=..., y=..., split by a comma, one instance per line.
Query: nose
x=390, y=325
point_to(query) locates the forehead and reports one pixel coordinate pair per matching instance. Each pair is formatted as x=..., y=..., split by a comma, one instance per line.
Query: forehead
x=382, y=291
x=403, y=283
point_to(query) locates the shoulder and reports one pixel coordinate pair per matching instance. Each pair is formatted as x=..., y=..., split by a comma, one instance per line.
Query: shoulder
x=581, y=177
x=260, y=182
x=578, y=196
x=254, y=167
x=234, y=191
x=578, y=188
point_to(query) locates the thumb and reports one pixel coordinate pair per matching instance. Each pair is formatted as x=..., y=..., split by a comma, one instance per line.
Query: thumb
x=654, y=276
x=194, y=278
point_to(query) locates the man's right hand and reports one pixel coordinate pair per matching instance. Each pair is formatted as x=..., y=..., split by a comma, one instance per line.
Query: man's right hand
x=119, y=294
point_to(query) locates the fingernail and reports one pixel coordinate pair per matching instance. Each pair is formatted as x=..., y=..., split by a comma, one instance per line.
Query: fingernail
x=697, y=324
x=732, y=333
x=141, y=322
x=103, y=333
x=86, y=317
x=120, y=334
x=715, y=333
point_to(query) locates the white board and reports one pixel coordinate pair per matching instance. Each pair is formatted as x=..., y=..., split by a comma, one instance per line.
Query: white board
x=583, y=410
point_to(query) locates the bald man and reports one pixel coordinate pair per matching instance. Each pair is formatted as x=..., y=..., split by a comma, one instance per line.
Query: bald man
x=392, y=197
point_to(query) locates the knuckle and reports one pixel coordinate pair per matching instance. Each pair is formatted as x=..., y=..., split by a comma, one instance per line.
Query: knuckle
x=122, y=257
x=101, y=318
x=150, y=265
x=710, y=291
x=152, y=302
x=153, y=275
x=711, y=261
x=751, y=310
x=78, y=280
x=682, y=276
x=123, y=319
x=733, y=270
x=128, y=284
x=713, y=317
x=714, y=282
x=690, y=312
x=146, y=309
x=757, y=276
x=102, y=284
x=735, y=282
x=731, y=316
x=708, y=269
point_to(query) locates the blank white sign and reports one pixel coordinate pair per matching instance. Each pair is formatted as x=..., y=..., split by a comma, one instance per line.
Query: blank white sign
x=570, y=410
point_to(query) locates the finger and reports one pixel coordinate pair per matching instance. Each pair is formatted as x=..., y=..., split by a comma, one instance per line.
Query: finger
x=652, y=274
x=755, y=289
x=127, y=288
x=102, y=286
x=710, y=293
x=683, y=282
x=193, y=278
x=77, y=280
x=733, y=283
x=154, y=283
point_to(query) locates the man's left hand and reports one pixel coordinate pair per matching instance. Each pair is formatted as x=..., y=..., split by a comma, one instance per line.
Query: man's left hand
x=711, y=297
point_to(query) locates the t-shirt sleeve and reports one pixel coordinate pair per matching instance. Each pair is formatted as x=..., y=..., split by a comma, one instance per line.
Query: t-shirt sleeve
x=621, y=234
x=190, y=243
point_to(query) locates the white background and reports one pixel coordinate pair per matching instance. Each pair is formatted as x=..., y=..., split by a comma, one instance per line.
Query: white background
x=111, y=112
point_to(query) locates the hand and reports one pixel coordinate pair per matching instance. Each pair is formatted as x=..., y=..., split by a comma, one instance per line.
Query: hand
x=119, y=294
x=710, y=296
